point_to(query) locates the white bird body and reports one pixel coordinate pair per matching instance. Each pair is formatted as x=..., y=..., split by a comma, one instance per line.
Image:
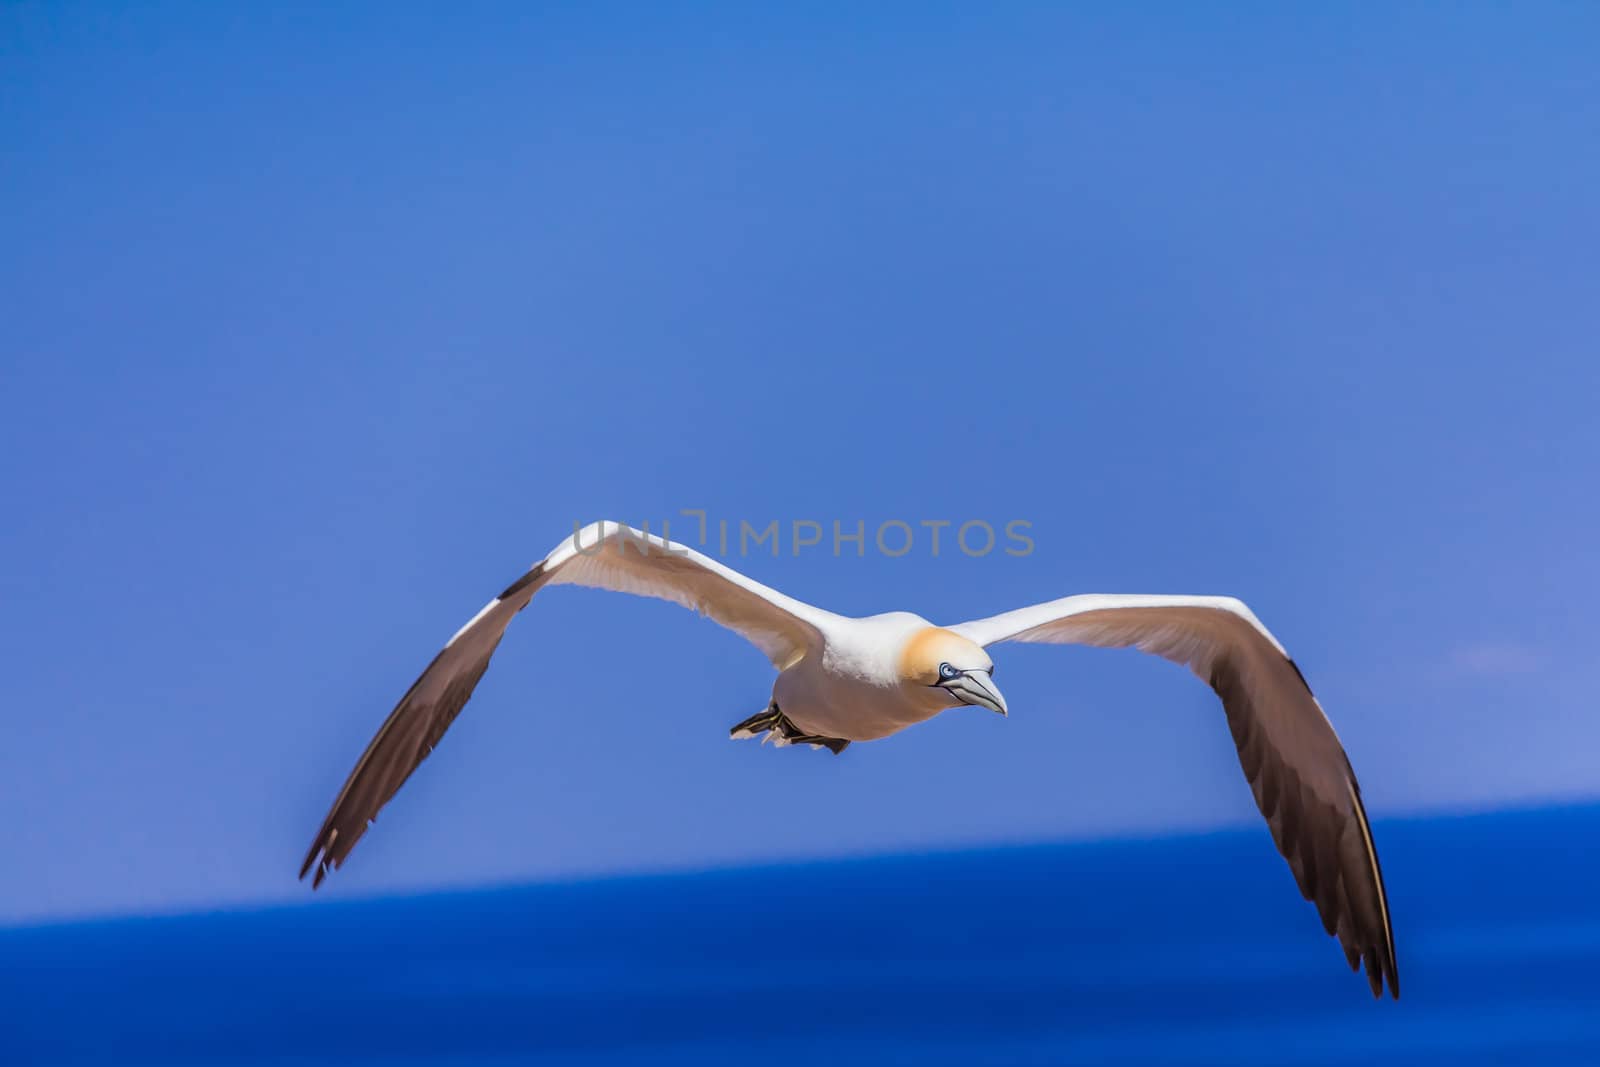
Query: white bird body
x=842, y=680
x=853, y=690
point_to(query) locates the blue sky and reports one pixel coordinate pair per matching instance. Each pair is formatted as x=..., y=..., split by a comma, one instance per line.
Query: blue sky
x=316, y=327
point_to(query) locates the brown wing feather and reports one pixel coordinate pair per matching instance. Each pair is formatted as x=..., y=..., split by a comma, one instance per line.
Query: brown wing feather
x=413, y=728
x=1324, y=840
x=609, y=556
x=1297, y=769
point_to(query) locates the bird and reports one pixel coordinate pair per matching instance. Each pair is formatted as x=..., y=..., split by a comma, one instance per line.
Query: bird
x=844, y=679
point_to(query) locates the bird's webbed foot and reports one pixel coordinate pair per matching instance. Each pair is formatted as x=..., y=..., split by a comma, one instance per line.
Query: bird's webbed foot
x=782, y=732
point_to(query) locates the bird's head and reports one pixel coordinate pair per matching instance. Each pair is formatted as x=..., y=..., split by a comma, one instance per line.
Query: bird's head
x=943, y=667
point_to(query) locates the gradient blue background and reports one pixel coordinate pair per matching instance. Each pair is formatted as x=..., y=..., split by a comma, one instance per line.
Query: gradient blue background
x=316, y=326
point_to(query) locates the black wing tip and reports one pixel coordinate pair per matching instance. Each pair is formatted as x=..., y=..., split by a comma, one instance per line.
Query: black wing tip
x=317, y=858
x=1382, y=971
x=323, y=858
x=1385, y=976
x=1384, y=948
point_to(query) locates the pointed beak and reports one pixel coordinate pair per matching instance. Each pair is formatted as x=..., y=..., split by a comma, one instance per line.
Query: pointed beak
x=978, y=689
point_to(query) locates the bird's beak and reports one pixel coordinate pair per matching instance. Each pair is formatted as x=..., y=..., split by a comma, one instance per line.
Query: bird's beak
x=977, y=688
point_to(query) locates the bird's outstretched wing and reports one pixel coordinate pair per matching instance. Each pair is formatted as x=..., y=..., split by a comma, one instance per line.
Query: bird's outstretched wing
x=1297, y=769
x=605, y=555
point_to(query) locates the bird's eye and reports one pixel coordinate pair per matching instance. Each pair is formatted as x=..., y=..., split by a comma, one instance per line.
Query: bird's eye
x=947, y=672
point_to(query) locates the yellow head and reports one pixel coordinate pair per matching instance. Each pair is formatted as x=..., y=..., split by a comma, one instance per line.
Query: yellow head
x=942, y=665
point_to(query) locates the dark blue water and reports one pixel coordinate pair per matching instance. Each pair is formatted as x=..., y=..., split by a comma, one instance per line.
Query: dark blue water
x=1192, y=950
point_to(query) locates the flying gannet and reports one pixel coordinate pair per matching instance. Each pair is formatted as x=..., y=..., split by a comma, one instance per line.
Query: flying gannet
x=844, y=679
